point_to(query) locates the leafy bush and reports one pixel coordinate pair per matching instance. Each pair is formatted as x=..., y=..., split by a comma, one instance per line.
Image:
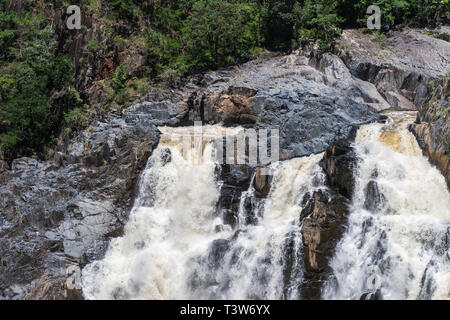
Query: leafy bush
x=119, y=78
x=210, y=38
x=76, y=118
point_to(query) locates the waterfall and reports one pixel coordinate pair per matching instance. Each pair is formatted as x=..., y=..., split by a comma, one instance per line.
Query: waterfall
x=398, y=237
x=175, y=244
x=262, y=260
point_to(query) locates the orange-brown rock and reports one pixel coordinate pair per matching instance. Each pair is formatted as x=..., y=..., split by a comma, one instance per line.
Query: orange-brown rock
x=433, y=128
x=233, y=106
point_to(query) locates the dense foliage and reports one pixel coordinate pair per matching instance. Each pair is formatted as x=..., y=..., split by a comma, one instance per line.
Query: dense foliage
x=30, y=76
x=180, y=36
x=186, y=35
x=410, y=12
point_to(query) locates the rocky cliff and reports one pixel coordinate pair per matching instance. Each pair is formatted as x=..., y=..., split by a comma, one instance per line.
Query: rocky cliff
x=400, y=64
x=432, y=129
x=410, y=69
x=60, y=214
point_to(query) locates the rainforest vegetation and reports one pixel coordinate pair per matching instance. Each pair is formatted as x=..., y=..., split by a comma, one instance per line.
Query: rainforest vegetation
x=42, y=89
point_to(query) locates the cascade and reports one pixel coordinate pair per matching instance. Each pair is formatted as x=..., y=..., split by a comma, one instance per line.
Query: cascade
x=172, y=247
x=397, y=243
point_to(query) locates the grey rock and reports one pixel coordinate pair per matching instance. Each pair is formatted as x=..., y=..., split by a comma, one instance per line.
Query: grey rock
x=432, y=129
x=55, y=215
x=322, y=228
x=374, y=199
x=310, y=112
x=339, y=164
x=399, y=65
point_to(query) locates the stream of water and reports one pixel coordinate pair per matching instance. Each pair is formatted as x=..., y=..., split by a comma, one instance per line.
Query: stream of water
x=176, y=245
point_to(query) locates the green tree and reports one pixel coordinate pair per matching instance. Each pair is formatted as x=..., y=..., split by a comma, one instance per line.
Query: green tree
x=217, y=32
x=279, y=23
x=27, y=82
x=317, y=20
x=414, y=12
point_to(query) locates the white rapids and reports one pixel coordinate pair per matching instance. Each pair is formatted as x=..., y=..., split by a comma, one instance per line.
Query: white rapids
x=177, y=246
x=174, y=230
x=398, y=238
x=252, y=266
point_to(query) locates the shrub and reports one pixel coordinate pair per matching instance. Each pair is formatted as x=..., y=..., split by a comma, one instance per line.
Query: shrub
x=76, y=118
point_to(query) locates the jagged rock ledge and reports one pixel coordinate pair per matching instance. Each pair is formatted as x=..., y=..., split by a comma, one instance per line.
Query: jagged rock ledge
x=411, y=70
x=432, y=128
x=59, y=214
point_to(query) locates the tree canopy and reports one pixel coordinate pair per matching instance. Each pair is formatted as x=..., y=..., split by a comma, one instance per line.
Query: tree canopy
x=37, y=94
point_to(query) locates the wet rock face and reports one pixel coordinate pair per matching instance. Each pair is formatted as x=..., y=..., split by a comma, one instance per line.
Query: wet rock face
x=399, y=65
x=432, y=129
x=336, y=74
x=339, y=163
x=323, y=225
x=55, y=216
x=311, y=103
x=235, y=180
x=262, y=183
x=374, y=198
x=324, y=216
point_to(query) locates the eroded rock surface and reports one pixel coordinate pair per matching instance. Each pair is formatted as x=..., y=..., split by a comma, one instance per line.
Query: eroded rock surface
x=309, y=107
x=399, y=65
x=432, y=129
x=58, y=215
x=325, y=217
x=339, y=165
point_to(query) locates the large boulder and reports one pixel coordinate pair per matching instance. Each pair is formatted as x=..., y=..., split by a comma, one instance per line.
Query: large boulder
x=311, y=103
